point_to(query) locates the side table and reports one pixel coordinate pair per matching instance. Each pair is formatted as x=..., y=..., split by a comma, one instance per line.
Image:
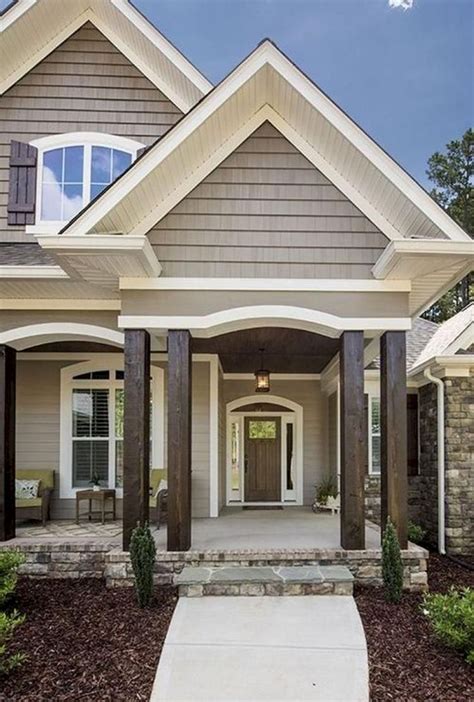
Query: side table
x=100, y=496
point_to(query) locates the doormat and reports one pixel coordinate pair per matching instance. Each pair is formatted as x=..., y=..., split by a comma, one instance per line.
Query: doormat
x=263, y=507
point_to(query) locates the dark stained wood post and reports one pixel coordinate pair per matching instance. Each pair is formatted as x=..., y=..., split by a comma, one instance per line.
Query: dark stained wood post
x=179, y=440
x=393, y=421
x=353, y=440
x=7, y=442
x=136, y=431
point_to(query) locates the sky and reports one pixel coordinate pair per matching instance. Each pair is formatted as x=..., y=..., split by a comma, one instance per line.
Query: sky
x=405, y=75
x=402, y=69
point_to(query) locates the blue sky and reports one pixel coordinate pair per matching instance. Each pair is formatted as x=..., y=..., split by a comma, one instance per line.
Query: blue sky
x=405, y=76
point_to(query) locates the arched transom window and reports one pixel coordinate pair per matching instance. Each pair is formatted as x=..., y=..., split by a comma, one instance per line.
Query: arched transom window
x=92, y=434
x=73, y=169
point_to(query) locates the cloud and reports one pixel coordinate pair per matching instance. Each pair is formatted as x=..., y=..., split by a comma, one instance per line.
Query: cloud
x=404, y=4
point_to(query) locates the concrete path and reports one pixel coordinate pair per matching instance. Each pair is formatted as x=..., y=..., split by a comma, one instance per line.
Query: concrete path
x=247, y=649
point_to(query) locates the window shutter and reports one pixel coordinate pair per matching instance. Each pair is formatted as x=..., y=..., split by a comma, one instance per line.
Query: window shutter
x=412, y=434
x=22, y=189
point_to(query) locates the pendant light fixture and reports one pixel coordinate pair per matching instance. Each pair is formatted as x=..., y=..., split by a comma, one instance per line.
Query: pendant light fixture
x=262, y=376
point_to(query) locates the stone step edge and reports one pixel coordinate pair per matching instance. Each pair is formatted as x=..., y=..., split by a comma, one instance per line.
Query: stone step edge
x=263, y=575
x=266, y=589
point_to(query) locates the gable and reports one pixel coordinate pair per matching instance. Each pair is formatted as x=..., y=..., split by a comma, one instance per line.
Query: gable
x=86, y=84
x=266, y=211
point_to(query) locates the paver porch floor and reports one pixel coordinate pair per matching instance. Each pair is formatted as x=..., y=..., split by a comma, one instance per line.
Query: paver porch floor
x=235, y=529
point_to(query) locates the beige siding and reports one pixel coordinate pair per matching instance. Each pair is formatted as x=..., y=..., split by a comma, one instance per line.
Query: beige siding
x=38, y=428
x=266, y=211
x=308, y=394
x=86, y=84
x=332, y=435
x=222, y=444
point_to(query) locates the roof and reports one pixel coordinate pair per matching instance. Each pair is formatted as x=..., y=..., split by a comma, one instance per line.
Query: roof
x=452, y=337
x=24, y=254
x=417, y=338
x=32, y=29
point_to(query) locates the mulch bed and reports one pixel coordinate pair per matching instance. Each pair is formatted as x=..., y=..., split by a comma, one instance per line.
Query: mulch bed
x=86, y=643
x=406, y=662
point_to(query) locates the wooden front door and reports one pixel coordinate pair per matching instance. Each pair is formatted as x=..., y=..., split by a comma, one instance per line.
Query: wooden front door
x=262, y=448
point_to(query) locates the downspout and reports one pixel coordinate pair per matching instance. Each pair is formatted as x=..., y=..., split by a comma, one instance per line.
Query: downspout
x=440, y=435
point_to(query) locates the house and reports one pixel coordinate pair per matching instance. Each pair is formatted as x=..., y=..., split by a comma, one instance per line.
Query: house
x=169, y=242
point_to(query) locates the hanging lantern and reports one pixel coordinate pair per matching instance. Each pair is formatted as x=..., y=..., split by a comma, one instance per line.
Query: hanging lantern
x=262, y=377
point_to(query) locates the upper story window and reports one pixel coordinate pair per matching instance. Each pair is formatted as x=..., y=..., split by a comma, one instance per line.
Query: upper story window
x=73, y=169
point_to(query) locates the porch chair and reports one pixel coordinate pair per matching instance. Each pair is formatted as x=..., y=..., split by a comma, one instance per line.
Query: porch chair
x=36, y=507
x=158, y=493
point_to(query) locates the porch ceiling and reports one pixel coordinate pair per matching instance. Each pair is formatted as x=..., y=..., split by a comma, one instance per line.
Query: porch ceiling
x=286, y=350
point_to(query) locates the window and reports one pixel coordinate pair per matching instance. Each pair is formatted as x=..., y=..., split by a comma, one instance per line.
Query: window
x=73, y=169
x=374, y=438
x=262, y=430
x=92, y=425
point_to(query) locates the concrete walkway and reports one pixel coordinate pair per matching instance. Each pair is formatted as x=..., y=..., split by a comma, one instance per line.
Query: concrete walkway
x=248, y=649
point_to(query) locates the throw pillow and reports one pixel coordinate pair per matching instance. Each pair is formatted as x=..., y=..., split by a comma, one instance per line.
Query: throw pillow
x=26, y=489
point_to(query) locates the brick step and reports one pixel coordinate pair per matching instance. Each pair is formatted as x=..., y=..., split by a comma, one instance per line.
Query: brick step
x=253, y=581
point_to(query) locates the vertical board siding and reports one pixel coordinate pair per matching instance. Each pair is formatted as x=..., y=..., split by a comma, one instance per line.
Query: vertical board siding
x=86, y=84
x=332, y=435
x=308, y=394
x=266, y=211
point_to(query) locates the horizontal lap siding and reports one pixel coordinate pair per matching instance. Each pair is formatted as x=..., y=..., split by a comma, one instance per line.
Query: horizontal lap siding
x=84, y=85
x=266, y=212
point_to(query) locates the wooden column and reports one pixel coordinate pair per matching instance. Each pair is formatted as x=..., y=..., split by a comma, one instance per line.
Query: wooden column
x=179, y=440
x=353, y=440
x=136, y=431
x=7, y=442
x=393, y=420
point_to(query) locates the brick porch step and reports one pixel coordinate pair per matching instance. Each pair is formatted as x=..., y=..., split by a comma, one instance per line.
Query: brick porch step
x=264, y=580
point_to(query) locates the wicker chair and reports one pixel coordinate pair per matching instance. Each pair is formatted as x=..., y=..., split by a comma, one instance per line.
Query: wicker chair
x=158, y=497
x=37, y=507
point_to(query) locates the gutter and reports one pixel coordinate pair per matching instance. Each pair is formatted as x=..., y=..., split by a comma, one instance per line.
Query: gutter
x=440, y=436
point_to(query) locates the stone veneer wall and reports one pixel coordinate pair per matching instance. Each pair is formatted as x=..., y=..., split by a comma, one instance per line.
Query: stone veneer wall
x=459, y=463
x=373, y=500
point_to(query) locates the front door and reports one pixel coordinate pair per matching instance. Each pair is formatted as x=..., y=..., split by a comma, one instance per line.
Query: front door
x=262, y=446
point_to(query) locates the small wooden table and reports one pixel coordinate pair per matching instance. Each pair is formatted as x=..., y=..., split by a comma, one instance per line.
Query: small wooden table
x=101, y=496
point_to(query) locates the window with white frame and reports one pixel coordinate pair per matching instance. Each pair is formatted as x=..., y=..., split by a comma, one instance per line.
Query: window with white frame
x=374, y=434
x=73, y=169
x=92, y=434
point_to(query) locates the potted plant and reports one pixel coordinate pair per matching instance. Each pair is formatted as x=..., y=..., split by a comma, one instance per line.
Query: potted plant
x=326, y=495
x=95, y=481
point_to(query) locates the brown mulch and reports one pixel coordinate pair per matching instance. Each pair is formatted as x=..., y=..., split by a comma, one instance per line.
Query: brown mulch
x=86, y=643
x=406, y=662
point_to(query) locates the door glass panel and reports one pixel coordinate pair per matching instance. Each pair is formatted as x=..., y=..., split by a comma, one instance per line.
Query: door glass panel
x=289, y=456
x=235, y=455
x=262, y=429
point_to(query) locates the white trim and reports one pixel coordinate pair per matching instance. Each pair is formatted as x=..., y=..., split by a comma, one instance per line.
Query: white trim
x=298, y=441
x=272, y=284
x=460, y=366
x=31, y=271
x=397, y=251
x=69, y=139
x=60, y=304
x=214, y=453
x=111, y=363
x=34, y=334
x=141, y=24
x=206, y=326
x=276, y=376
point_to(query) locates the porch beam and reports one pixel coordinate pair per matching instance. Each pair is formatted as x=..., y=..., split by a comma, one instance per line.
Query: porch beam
x=353, y=440
x=179, y=439
x=7, y=442
x=393, y=421
x=136, y=432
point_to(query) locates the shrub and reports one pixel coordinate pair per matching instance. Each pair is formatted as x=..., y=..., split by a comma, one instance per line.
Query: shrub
x=416, y=533
x=142, y=555
x=392, y=569
x=452, y=618
x=9, y=562
x=8, y=624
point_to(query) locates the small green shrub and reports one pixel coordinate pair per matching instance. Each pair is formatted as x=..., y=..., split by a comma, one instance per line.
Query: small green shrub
x=327, y=488
x=142, y=555
x=416, y=533
x=8, y=624
x=392, y=569
x=452, y=618
x=9, y=562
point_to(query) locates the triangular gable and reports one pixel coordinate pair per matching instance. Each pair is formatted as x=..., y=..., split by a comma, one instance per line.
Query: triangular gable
x=31, y=29
x=268, y=87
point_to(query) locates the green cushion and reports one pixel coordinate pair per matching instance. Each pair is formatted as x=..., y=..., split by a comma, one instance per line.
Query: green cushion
x=156, y=476
x=33, y=502
x=44, y=475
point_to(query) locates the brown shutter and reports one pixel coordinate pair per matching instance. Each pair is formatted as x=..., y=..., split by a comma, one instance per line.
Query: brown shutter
x=22, y=189
x=366, y=430
x=412, y=434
